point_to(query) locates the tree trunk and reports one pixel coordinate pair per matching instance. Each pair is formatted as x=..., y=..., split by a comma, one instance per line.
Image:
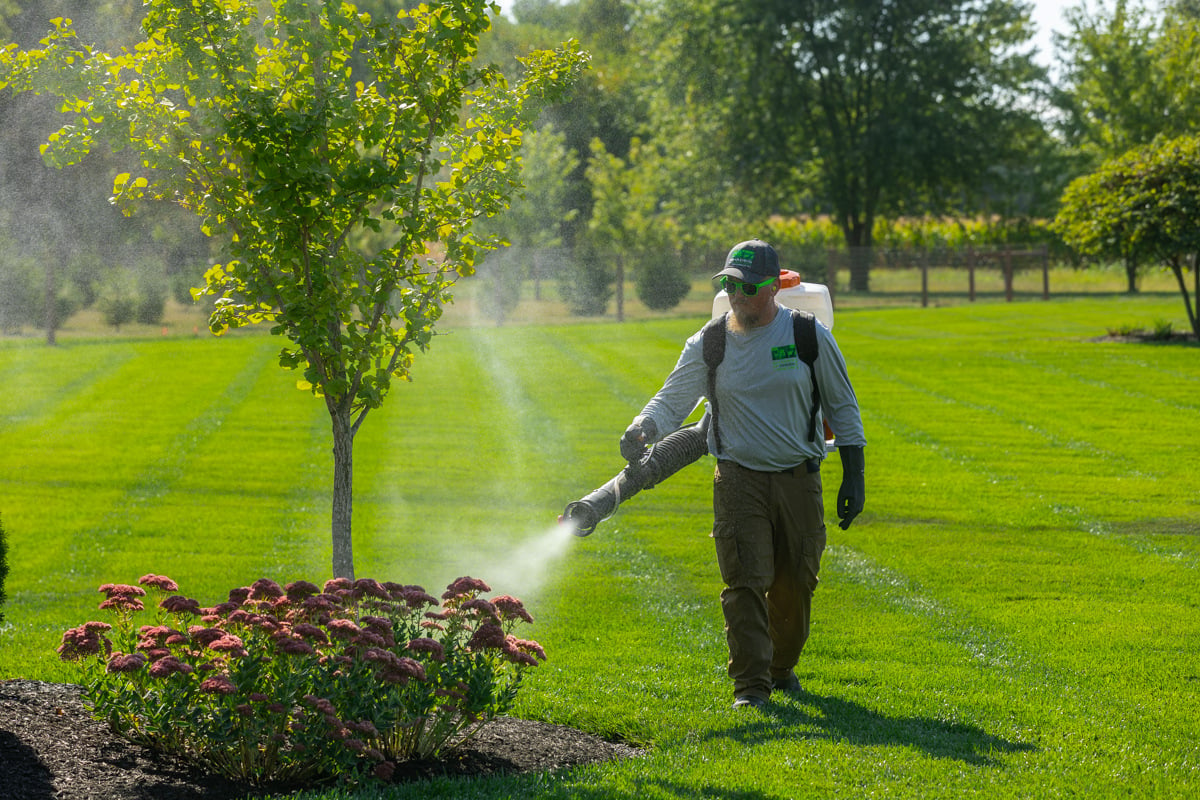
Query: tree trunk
x=535, y=268
x=620, y=289
x=860, y=269
x=343, y=492
x=1131, y=275
x=51, y=310
x=858, y=244
x=1177, y=268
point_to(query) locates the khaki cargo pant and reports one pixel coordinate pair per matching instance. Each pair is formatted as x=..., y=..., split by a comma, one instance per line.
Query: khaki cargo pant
x=769, y=530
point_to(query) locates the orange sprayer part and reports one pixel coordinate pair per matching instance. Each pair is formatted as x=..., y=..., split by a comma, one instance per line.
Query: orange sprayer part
x=788, y=279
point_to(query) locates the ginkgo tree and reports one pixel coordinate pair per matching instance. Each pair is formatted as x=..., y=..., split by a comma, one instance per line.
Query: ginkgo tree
x=343, y=157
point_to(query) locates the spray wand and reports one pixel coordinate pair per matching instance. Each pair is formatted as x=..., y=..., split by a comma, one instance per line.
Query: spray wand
x=672, y=453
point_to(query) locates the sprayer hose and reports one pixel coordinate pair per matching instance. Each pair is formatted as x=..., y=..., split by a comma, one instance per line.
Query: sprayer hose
x=674, y=452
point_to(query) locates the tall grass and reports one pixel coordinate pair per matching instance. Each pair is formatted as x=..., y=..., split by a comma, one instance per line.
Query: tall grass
x=1016, y=613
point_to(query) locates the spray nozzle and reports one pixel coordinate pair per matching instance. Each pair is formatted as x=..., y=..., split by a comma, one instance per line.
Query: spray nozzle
x=582, y=516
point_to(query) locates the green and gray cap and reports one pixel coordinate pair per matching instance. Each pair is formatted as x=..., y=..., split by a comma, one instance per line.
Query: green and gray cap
x=751, y=262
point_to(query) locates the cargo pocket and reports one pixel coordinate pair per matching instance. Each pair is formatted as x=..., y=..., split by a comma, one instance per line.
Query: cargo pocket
x=811, y=548
x=726, y=494
x=728, y=559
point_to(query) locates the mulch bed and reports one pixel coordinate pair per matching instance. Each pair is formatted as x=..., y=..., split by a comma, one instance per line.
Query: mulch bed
x=1144, y=337
x=52, y=749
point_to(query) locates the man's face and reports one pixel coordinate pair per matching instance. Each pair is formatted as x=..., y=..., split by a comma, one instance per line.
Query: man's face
x=751, y=311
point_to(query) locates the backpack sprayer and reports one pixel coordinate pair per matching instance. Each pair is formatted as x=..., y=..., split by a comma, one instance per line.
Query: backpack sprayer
x=687, y=444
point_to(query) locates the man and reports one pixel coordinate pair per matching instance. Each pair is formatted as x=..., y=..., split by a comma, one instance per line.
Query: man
x=769, y=525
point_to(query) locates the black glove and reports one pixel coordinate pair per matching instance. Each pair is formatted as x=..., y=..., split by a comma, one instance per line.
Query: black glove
x=853, y=492
x=638, y=436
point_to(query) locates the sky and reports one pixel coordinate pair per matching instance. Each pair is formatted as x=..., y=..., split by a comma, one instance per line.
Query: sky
x=1048, y=17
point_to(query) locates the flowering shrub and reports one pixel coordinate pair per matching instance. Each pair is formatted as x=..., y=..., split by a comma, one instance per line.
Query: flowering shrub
x=300, y=682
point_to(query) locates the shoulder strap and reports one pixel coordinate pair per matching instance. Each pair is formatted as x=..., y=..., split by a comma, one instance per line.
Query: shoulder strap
x=804, y=331
x=713, y=342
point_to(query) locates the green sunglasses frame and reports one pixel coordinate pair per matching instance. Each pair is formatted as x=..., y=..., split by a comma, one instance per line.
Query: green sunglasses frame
x=730, y=286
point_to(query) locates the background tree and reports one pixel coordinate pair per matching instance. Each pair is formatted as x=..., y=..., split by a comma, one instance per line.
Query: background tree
x=1145, y=203
x=63, y=238
x=588, y=285
x=697, y=194
x=894, y=106
x=533, y=224
x=610, y=235
x=117, y=299
x=1130, y=77
x=605, y=104
x=262, y=126
x=628, y=227
x=1177, y=52
x=1112, y=94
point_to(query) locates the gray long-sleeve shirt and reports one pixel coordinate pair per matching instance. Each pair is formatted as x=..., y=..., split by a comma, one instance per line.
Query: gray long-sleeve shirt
x=763, y=396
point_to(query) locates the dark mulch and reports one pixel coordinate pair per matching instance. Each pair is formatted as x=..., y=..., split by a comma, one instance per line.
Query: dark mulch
x=51, y=749
x=1147, y=337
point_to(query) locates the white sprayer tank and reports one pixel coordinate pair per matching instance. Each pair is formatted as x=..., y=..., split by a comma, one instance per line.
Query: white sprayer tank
x=793, y=293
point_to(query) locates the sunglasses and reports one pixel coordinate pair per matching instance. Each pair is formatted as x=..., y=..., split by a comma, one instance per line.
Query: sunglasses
x=749, y=289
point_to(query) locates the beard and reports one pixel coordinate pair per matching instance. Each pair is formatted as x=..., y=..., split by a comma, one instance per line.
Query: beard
x=752, y=315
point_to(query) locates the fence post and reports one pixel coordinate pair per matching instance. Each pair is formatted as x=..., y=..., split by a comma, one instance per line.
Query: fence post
x=1045, y=272
x=925, y=278
x=971, y=273
x=1008, y=275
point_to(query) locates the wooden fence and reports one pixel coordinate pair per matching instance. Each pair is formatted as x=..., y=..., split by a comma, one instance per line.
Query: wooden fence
x=859, y=262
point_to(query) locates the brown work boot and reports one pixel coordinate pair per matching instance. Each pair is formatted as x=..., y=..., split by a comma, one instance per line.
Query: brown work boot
x=749, y=701
x=788, y=683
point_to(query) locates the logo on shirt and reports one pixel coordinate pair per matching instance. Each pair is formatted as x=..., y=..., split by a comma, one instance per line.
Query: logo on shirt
x=784, y=357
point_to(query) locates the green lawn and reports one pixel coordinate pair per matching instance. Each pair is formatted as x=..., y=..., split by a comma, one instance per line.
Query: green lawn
x=1016, y=613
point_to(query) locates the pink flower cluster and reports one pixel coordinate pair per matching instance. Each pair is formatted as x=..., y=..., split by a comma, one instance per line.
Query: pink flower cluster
x=230, y=645
x=465, y=586
x=265, y=589
x=218, y=684
x=126, y=662
x=413, y=596
x=483, y=609
x=511, y=608
x=159, y=582
x=169, y=665
x=432, y=647
x=522, y=652
x=392, y=668
x=298, y=590
x=345, y=630
x=86, y=640
x=122, y=597
x=178, y=604
x=487, y=636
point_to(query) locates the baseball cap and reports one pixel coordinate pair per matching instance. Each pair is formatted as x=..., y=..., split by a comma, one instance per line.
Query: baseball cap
x=752, y=261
